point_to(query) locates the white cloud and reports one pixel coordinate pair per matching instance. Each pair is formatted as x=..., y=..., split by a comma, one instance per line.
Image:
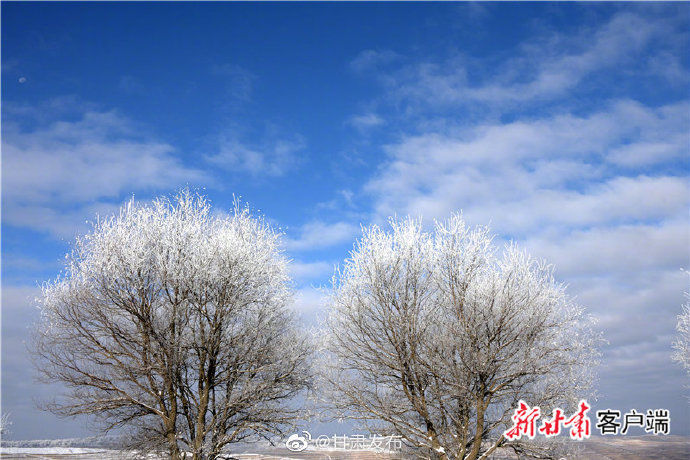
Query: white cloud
x=636, y=312
x=56, y=220
x=616, y=201
x=19, y=312
x=317, y=235
x=15, y=262
x=19, y=297
x=616, y=250
x=310, y=301
x=648, y=153
x=56, y=173
x=528, y=173
x=301, y=271
x=86, y=159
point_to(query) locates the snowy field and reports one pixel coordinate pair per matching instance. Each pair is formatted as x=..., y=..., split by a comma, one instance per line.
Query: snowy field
x=618, y=448
x=59, y=452
x=64, y=453
x=75, y=453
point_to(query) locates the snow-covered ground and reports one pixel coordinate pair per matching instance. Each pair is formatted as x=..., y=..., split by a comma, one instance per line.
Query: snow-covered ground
x=49, y=450
x=596, y=448
x=63, y=453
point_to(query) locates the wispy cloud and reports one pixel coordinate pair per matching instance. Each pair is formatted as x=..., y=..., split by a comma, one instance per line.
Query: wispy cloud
x=244, y=145
x=365, y=121
x=272, y=157
x=368, y=60
x=541, y=69
x=239, y=81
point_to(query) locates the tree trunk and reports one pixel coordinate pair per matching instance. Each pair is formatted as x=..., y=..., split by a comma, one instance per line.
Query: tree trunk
x=479, y=431
x=172, y=446
x=442, y=455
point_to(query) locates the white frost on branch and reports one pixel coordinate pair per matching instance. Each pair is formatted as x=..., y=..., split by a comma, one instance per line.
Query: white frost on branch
x=437, y=335
x=682, y=343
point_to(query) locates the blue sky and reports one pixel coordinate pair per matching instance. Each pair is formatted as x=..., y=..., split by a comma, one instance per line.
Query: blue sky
x=563, y=126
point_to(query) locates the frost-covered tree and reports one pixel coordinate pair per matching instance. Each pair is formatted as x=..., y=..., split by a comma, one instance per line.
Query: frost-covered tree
x=682, y=342
x=5, y=424
x=171, y=321
x=436, y=336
